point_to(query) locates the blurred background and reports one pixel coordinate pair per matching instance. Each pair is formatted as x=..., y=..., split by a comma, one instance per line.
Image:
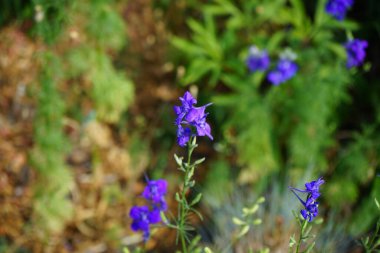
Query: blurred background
x=87, y=90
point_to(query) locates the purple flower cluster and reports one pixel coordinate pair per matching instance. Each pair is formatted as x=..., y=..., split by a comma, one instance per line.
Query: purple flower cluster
x=310, y=204
x=355, y=52
x=257, y=60
x=285, y=70
x=191, y=120
x=338, y=8
x=155, y=192
x=143, y=216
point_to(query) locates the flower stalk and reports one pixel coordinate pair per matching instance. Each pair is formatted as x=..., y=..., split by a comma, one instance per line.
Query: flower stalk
x=184, y=207
x=301, y=236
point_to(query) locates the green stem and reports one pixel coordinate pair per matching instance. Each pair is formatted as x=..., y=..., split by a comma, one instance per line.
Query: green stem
x=183, y=242
x=371, y=243
x=183, y=204
x=299, y=242
x=349, y=35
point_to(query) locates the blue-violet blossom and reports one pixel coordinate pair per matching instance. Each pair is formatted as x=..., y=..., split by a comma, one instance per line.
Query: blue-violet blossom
x=338, y=8
x=155, y=192
x=190, y=117
x=355, y=52
x=310, y=204
x=286, y=68
x=257, y=60
x=142, y=218
x=187, y=103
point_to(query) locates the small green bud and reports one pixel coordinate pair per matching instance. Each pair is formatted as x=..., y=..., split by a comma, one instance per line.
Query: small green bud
x=163, y=218
x=260, y=200
x=243, y=231
x=199, y=161
x=207, y=250
x=196, y=199
x=190, y=174
x=238, y=221
x=377, y=204
x=178, y=159
x=177, y=197
x=292, y=241
x=318, y=221
x=194, y=143
x=252, y=210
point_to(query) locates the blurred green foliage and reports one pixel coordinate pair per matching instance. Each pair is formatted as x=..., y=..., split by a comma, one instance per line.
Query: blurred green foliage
x=98, y=30
x=51, y=205
x=112, y=91
x=293, y=129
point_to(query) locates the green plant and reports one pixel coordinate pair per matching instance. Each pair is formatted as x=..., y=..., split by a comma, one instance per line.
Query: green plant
x=291, y=129
x=112, y=91
x=371, y=243
x=52, y=208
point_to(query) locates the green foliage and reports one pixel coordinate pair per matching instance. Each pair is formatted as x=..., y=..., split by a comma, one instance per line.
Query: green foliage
x=255, y=116
x=186, y=206
x=218, y=177
x=305, y=239
x=13, y=9
x=50, y=18
x=365, y=216
x=112, y=91
x=103, y=24
x=355, y=168
x=371, y=243
x=52, y=207
x=248, y=218
x=291, y=129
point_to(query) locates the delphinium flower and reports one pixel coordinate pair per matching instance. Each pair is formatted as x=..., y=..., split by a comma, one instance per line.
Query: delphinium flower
x=191, y=120
x=286, y=68
x=155, y=192
x=355, y=52
x=187, y=103
x=257, y=60
x=338, y=8
x=310, y=204
x=144, y=216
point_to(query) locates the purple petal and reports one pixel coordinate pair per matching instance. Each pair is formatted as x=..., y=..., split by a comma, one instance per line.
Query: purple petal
x=154, y=216
x=204, y=129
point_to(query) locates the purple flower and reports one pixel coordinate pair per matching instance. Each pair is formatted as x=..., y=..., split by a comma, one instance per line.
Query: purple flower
x=183, y=135
x=285, y=70
x=155, y=192
x=355, y=52
x=313, y=187
x=311, y=209
x=257, y=60
x=190, y=117
x=187, y=103
x=142, y=218
x=310, y=204
x=197, y=117
x=338, y=8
